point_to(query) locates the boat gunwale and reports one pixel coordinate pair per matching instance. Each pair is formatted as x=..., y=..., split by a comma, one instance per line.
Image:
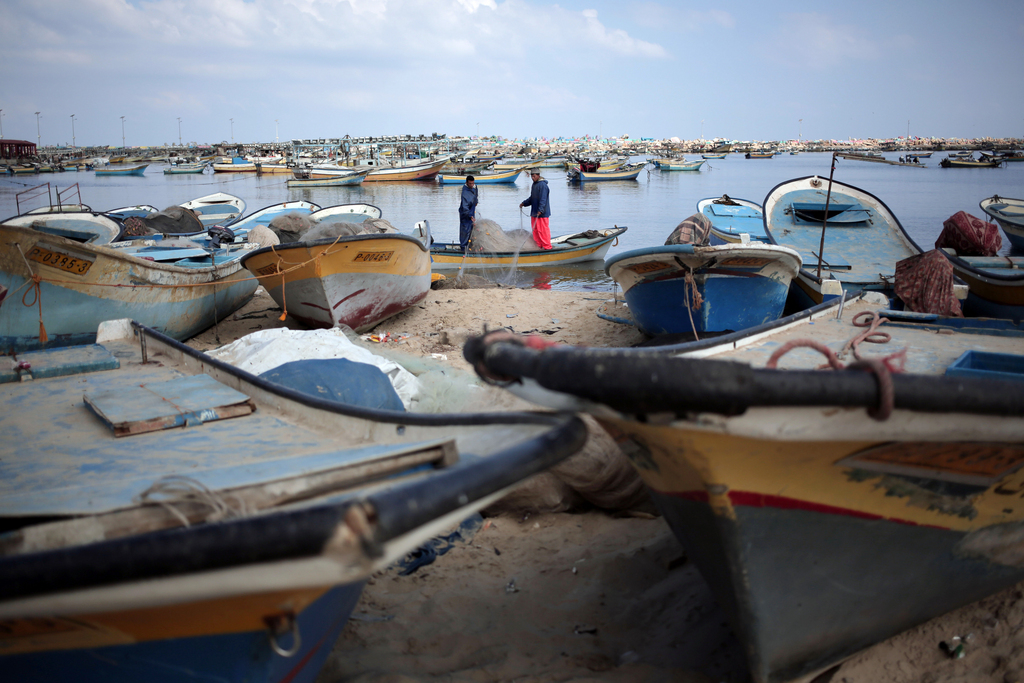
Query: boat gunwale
x=439, y=248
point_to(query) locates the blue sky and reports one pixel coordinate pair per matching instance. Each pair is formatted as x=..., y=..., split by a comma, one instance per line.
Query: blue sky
x=746, y=70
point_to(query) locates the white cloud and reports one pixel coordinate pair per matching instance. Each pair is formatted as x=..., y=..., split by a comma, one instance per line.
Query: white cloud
x=618, y=40
x=817, y=41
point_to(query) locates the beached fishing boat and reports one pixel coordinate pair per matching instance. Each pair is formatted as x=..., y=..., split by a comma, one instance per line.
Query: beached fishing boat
x=591, y=245
x=218, y=208
x=304, y=178
x=482, y=178
x=138, y=211
x=827, y=510
x=687, y=289
x=863, y=239
x=236, y=549
x=264, y=216
x=732, y=218
x=122, y=170
x=177, y=286
x=85, y=227
x=1009, y=214
x=424, y=171
x=627, y=172
x=175, y=169
x=356, y=281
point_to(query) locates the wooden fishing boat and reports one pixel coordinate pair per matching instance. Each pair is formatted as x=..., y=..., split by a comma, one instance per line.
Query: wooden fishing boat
x=628, y=172
x=218, y=208
x=732, y=218
x=482, y=178
x=759, y=155
x=175, y=169
x=591, y=245
x=177, y=286
x=680, y=165
x=122, y=170
x=423, y=171
x=236, y=549
x=304, y=178
x=713, y=156
x=995, y=285
x=138, y=211
x=356, y=281
x=85, y=227
x=236, y=165
x=825, y=513
x=264, y=216
x=863, y=239
x=516, y=165
x=686, y=289
x=969, y=162
x=23, y=169
x=464, y=168
x=1009, y=214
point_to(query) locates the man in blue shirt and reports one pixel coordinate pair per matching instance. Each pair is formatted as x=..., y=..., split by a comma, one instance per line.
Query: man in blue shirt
x=467, y=212
x=540, y=210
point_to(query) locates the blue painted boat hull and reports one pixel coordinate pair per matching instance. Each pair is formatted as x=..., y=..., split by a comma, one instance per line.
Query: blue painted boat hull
x=229, y=658
x=738, y=286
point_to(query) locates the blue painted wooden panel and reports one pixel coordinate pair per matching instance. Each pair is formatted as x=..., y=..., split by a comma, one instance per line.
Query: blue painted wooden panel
x=60, y=362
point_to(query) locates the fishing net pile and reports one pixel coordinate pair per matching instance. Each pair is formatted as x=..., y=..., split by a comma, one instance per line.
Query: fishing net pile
x=297, y=227
x=488, y=237
x=174, y=220
x=695, y=230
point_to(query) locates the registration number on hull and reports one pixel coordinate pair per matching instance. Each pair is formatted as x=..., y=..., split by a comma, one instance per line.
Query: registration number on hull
x=373, y=256
x=76, y=265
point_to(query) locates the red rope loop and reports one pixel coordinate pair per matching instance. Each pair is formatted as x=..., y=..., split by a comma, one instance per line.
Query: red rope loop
x=886, y=393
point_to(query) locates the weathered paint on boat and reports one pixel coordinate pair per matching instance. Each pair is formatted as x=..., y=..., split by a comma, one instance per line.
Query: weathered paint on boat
x=424, y=171
x=995, y=285
x=481, y=179
x=565, y=249
x=86, y=227
x=730, y=218
x=863, y=239
x=739, y=285
x=125, y=170
x=820, y=528
x=1009, y=214
x=82, y=285
x=355, y=178
x=218, y=208
x=357, y=281
x=106, y=588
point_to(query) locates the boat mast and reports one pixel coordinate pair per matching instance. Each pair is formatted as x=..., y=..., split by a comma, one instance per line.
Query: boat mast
x=824, y=218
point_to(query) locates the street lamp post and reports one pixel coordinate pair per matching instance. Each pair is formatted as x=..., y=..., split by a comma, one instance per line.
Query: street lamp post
x=232, y=129
x=122, y=133
x=799, y=129
x=179, y=131
x=702, y=129
x=72, y=131
x=1, y=124
x=39, y=137
x=277, y=138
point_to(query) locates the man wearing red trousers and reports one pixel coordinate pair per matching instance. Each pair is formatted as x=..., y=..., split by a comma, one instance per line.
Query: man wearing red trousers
x=540, y=210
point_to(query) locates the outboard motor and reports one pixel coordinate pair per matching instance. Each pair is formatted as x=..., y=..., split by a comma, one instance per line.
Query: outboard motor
x=219, y=235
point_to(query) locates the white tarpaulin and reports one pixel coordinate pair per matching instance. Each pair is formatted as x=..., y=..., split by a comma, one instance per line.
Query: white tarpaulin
x=265, y=350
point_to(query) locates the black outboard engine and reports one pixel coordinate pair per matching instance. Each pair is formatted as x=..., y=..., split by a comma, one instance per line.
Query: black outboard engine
x=219, y=235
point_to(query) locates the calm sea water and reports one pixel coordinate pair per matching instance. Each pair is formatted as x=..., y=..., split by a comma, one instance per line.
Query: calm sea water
x=651, y=206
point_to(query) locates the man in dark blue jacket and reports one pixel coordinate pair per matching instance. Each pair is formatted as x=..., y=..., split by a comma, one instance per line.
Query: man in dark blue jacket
x=467, y=212
x=540, y=210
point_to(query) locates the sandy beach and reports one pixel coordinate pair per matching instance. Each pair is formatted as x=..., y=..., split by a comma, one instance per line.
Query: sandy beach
x=590, y=594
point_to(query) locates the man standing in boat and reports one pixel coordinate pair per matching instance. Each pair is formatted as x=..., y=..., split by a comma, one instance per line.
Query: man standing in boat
x=540, y=210
x=467, y=212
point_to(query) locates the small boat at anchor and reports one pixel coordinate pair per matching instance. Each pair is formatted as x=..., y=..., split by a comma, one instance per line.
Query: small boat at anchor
x=626, y=172
x=303, y=178
x=122, y=170
x=591, y=245
x=186, y=169
x=481, y=178
x=1009, y=214
x=219, y=208
x=731, y=218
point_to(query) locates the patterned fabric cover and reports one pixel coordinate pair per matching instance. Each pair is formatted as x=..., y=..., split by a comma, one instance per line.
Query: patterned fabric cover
x=969, y=235
x=925, y=284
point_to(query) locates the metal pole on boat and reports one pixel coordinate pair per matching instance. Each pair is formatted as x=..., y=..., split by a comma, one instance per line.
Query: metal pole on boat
x=824, y=219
